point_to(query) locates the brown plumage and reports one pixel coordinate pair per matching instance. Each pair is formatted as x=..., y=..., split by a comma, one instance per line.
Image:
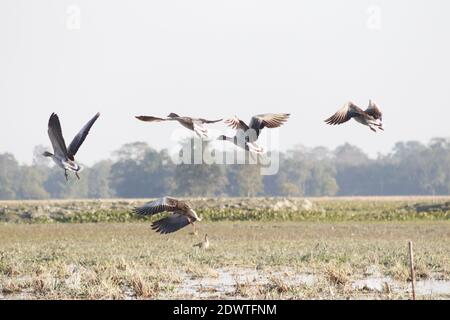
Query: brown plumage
x=247, y=135
x=182, y=214
x=195, y=124
x=371, y=117
x=204, y=244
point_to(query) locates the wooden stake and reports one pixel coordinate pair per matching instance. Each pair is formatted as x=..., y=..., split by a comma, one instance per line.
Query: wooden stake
x=413, y=273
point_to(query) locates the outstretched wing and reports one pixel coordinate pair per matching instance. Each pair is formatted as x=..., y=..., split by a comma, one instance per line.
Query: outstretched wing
x=171, y=224
x=199, y=128
x=269, y=120
x=56, y=137
x=348, y=111
x=237, y=124
x=374, y=111
x=151, y=119
x=161, y=205
x=209, y=121
x=80, y=137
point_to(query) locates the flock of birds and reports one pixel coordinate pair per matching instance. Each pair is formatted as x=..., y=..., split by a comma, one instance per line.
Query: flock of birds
x=182, y=214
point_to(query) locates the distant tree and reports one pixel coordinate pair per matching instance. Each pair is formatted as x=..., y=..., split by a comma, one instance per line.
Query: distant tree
x=141, y=172
x=199, y=179
x=348, y=155
x=31, y=183
x=99, y=180
x=9, y=173
x=250, y=180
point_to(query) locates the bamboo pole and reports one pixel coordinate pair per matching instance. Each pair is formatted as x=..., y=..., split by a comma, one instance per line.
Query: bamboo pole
x=413, y=273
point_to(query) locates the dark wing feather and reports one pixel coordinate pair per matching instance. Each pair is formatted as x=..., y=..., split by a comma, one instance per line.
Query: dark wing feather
x=171, y=224
x=348, y=111
x=56, y=137
x=80, y=137
x=237, y=124
x=209, y=121
x=269, y=120
x=162, y=205
x=151, y=119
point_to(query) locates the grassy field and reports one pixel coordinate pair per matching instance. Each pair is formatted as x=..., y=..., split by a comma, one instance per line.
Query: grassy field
x=296, y=256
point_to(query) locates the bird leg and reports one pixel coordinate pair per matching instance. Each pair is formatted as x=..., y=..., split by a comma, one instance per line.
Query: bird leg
x=253, y=147
x=66, y=175
x=76, y=173
x=195, y=230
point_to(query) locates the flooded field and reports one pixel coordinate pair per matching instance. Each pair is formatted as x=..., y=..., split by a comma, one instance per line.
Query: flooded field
x=246, y=260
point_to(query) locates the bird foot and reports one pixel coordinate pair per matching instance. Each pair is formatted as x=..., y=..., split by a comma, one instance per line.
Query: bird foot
x=256, y=149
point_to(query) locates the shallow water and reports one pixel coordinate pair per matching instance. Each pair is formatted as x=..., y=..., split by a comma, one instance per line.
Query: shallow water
x=226, y=281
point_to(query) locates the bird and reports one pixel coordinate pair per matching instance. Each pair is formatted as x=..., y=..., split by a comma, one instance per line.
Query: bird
x=182, y=214
x=204, y=244
x=195, y=124
x=65, y=157
x=371, y=117
x=247, y=135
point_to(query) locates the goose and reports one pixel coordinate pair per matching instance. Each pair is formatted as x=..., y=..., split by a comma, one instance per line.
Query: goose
x=65, y=157
x=371, y=117
x=195, y=124
x=247, y=135
x=182, y=214
x=204, y=244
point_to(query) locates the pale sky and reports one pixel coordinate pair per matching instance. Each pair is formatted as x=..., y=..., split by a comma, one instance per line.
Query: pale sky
x=216, y=59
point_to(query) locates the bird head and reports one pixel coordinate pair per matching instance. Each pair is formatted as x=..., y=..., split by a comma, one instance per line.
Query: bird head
x=173, y=115
x=372, y=104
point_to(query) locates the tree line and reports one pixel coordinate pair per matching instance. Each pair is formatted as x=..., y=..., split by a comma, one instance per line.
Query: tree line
x=138, y=171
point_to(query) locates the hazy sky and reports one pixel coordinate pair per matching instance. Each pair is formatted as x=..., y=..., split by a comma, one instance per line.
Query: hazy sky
x=219, y=58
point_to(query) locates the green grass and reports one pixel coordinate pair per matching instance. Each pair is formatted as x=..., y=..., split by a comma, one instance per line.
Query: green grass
x=261, y=248
x=262, y=259
x=234, y=209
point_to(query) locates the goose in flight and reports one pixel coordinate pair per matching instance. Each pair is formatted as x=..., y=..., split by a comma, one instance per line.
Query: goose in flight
x=181, y=216
x=65, y=157
x=371, y=117
x=195, y=124
x=247, y=135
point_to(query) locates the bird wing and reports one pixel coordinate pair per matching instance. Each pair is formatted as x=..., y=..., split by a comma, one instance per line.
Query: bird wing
x=171, y=223
x=80, y=137
x=209, y=121
x=373, y=111
x=348, y=111
x=161, y=205
x=269, y=120
x=237, y=124
x=199, y=128
x=56, y=137
x=151, y=118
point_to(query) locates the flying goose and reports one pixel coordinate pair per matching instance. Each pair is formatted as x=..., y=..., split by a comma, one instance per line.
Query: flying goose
x=63, y=157
x=246, y=136
x=371, y=117
x=182, y=214
x=204, y=244
x=195, y=124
